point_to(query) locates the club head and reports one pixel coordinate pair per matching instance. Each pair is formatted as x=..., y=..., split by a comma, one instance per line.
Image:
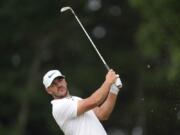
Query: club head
x=63, y=9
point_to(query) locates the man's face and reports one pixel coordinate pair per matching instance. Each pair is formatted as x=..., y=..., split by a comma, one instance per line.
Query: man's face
x=58, y=88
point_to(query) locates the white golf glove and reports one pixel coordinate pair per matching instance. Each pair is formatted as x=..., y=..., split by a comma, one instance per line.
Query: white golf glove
x=118, y=82
x=114, y=89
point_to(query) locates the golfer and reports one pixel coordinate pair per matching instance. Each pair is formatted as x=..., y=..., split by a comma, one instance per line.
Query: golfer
x=77, y=116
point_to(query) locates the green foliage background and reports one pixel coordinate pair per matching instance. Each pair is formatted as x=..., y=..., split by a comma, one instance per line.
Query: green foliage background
x=141, y=43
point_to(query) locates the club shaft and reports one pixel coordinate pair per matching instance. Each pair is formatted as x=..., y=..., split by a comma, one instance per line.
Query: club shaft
x=94, y=46
x=118, y=82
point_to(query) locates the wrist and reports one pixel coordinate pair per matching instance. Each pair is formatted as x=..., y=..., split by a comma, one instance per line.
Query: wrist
x=114, y=89
x=108, y=82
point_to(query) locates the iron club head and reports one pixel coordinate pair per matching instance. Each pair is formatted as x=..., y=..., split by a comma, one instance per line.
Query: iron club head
x=63, y=9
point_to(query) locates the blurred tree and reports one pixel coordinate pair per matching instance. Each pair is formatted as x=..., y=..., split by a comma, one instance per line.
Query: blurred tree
x=35, y=38
x=158, y=44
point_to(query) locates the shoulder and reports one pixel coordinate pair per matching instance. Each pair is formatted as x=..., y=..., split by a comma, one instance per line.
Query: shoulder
x=61, y=102
x=58, y=101
x=76, y=98
x=65, y=103
x=65, y=108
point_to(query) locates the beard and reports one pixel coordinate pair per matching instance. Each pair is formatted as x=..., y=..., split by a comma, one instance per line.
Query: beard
x=61, y=94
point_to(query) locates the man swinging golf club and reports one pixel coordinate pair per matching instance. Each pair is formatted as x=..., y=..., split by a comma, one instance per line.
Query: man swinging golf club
x=77, y=116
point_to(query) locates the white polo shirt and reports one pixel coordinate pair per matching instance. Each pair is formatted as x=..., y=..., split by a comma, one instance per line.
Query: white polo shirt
x=65, y=113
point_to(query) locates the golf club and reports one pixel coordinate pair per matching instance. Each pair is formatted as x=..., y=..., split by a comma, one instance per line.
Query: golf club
x=118, y=81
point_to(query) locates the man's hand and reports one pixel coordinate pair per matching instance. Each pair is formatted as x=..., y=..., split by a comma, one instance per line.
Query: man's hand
x=105, y=109
x=111, y=77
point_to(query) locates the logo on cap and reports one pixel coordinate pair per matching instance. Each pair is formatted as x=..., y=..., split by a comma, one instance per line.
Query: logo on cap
x=49, y=76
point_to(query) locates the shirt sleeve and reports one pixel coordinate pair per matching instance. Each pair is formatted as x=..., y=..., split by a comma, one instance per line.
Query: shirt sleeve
x=65, y=109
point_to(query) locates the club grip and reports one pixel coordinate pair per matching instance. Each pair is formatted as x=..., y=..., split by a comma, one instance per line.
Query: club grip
x=118, y=83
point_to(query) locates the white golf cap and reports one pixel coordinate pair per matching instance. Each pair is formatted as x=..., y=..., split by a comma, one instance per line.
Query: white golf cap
x=50, y=76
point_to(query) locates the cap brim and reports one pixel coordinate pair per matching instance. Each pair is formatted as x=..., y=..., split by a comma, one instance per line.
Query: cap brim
x=54, y=77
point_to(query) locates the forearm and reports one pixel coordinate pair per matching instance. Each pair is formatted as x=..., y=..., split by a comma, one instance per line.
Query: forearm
x=101, y=94
x=95, y=99
x=104, y=111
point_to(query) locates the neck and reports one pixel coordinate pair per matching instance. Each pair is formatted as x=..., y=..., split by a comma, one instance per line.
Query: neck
x=67, y=96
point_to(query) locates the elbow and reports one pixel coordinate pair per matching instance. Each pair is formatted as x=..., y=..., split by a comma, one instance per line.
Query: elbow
x=104, y=117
